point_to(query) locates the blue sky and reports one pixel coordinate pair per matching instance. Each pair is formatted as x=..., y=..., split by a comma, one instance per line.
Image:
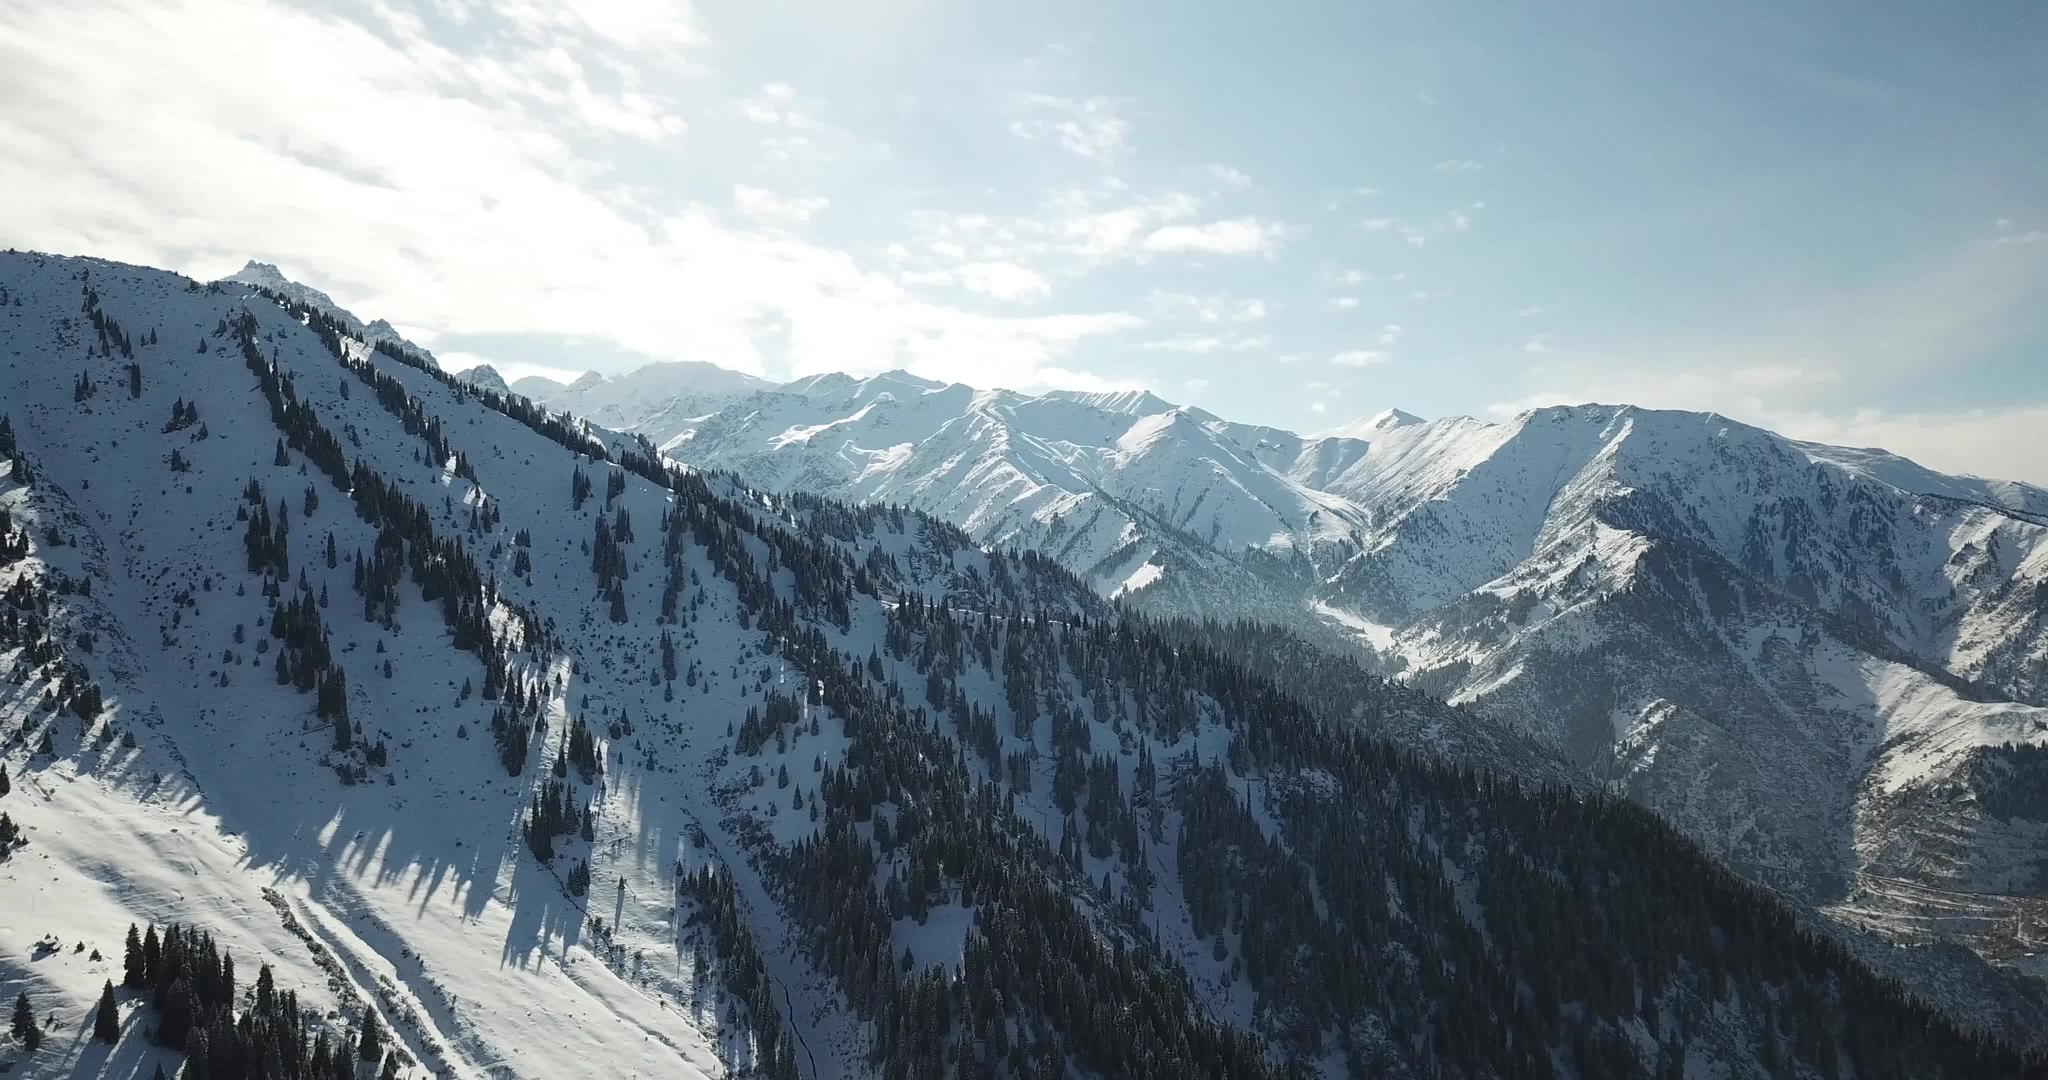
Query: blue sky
x=1832, y=220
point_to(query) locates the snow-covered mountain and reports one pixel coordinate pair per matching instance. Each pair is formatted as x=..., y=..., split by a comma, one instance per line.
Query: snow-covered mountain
x=1807, y=656
x=558, y=760
x=537, y=387
x=268, y=276
x=484, y=377
x=660, y=397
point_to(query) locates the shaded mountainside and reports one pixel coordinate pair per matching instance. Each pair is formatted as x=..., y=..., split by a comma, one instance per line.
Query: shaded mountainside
x=546, y=753
x=1796, y=652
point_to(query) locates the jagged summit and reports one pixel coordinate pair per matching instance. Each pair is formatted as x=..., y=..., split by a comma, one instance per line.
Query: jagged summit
x=1131, y=402
x=262, y=273
x=484, y=376
x=1371, y=426
x=268, y=276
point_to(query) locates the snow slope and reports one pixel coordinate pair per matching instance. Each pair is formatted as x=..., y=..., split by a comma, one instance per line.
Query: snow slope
x=268, y=276
x=986, y=707
x=1647, y=591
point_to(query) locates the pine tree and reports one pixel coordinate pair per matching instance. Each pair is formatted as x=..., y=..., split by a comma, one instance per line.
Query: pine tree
x=24, y=1017
x=6, y=785
x=372, y=1046
x=266, y=992
x=106, y=1021
x=390, y=1070
x=152, y=956
x=134, y=971
x=198, y=1058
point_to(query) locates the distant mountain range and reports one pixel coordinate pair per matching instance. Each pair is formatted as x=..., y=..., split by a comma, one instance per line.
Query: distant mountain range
x=486, y=741
x=1811, y=657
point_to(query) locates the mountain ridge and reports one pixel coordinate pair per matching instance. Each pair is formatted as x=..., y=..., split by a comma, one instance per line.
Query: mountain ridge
x=821, y=773
x=925, y=678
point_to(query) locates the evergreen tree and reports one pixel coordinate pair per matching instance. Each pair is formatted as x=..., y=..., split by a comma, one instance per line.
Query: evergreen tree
x=24, y=1017
x=152, y=956
x=372, y=1045
x=106, y=1021
x=266, y=992
x=134, y=971
x=198, y=1058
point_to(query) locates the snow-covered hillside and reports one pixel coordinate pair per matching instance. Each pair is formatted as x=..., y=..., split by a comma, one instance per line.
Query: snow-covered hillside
x=1752, y=635
x=567, y=762
x=267, y=276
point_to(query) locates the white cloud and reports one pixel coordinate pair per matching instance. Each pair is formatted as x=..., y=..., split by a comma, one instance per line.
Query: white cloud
x=1196, y=385
x=1390, y=334
x=1210, y=343
x=1458, y=165
x=767, y=207
x=656, y=26
x=1080, y=227
x=1359, y=358
x=1088, y=128
x=1318, y=408
x=1417, y=234
x=442, y=184
x=775, y=106
x=1237, y=236
x=1005, y=281
x=1344, y=303
x=1228, y=178
x=1206, y=309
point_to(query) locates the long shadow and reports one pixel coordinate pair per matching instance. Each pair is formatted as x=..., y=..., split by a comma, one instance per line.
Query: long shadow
x=133, y=1056
x=541, y=914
